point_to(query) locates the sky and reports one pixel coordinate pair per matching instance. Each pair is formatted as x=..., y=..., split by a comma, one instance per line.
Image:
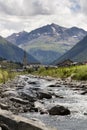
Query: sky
x=19, y=15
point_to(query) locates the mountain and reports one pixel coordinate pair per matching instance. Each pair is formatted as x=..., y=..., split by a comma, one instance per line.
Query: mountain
x=46, y=40
x=78, y=53
x=11, y=52
x=18, y=38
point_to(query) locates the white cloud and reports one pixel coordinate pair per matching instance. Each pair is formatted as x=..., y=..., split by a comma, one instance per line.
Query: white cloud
x=26, y=15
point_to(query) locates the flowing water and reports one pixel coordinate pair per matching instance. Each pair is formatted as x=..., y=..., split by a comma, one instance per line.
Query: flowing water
x=72, y=99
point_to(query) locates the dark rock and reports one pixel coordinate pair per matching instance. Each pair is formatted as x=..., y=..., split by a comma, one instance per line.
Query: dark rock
x=29, y=95
x=52, y=85
x=58, y=96
x=32, y=82
x=43, y=94
x=3, y=106
x=19, y=87
x=83, y=93
x=59, y=110
x=42, y=111
x=19, y=100
x=4, y=126
x=85, y=114
x=26, y=109
x=33, y=109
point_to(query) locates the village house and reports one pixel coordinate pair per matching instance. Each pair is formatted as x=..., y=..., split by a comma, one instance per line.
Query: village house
x=64, y=63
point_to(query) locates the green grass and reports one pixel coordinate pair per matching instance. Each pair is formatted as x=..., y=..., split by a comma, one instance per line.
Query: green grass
x=7, y=74
x=75, y=72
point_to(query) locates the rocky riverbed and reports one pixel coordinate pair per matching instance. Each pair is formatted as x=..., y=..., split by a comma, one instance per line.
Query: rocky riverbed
x=57, y=103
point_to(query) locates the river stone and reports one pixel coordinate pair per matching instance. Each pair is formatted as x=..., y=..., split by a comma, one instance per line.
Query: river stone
x=59, y=110
x=10, y=93
x=83, y=93
x=4, y=106
x=43, y=94
x=28, y=96
x=54, y=85
x=14, y=122
x=32, y=82
x=19, y=100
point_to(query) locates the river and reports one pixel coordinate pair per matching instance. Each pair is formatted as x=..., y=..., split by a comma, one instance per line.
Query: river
x=72, y=99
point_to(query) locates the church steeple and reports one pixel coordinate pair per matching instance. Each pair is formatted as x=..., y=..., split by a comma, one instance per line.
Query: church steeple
x=25, y=59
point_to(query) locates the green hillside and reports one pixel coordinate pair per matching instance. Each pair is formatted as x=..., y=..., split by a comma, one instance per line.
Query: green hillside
x=11, y=52
x=77, y=53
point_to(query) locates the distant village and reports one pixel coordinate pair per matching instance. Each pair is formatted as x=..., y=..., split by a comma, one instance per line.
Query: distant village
x=15, y=66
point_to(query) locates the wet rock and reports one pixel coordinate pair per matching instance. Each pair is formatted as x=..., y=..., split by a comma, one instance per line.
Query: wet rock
x=43, y=111
x=33, y=109
x=19, y=100
x=32, y=97
x=85, y=114
x=19, y=87
x=13, y=122
x=32, y=82
x=52, y=85
x=83, y=93
x=3, y=106
x=12, y=93
x=55, y=85
x=59, y=110
x=44, y=94
x=36, y=88
x=26, y=78
x=58, y=96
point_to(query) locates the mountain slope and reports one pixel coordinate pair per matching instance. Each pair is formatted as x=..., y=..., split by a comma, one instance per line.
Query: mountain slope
x=53, y=38
x=12, y=52
x=47, y=54
x=77, y=53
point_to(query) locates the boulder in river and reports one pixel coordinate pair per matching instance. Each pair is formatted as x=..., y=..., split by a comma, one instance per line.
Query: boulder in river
x=59, y=110
x=44, y=94
x=13, y=122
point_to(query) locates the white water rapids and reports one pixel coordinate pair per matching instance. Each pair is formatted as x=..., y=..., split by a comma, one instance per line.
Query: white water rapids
x=72, y=99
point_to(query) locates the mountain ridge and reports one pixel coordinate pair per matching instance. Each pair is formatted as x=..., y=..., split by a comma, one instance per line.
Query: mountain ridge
x=51, y=37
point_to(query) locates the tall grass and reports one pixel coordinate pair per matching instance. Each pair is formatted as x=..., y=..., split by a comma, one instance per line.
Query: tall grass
x=6, y=75
x=75, y=72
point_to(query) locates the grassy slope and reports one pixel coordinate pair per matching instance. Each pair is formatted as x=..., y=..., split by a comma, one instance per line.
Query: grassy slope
x=12, y=52
x=77, y=53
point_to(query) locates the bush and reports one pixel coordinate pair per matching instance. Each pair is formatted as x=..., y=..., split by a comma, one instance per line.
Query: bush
x=76, y=72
